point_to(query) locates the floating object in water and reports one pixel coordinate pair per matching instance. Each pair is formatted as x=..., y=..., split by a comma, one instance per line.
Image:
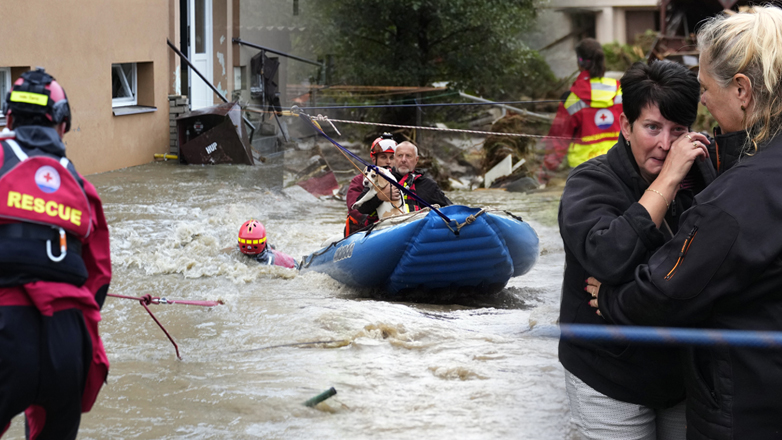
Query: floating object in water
x=214, y=135
x=320, y=397
x=478, y=251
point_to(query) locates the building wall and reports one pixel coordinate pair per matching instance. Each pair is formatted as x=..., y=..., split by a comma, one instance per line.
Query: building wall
x=639, y=21
x=550, y=36
x=271, y=24
x=222, y=74
x=174, y=62
x=77, y=41
x=560, y=24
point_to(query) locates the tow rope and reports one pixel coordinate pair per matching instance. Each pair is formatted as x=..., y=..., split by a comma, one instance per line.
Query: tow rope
x=149, y=299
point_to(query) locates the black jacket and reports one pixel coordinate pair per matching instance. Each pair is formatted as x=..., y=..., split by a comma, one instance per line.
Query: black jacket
x=606, y=234
x=728, y=277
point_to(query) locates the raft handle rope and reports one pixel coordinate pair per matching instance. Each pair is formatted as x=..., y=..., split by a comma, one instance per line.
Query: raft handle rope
x=513, y=215
x=470, y=218
x=312, y=121
x=149, y=299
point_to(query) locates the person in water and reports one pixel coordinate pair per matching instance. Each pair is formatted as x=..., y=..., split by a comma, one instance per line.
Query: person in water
x=252, y=242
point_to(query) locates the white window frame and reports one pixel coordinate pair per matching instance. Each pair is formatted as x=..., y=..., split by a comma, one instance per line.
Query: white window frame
x=130, y=84
x=6, y=87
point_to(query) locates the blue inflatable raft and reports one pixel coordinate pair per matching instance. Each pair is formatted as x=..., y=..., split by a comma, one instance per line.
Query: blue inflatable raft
x=478, y=251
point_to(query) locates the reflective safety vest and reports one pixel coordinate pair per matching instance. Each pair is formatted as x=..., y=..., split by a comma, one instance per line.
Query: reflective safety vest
x=47, y=215
x=598, y=117
x=411, y=204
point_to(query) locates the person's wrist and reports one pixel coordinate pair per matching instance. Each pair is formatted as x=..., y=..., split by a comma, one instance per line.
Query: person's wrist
x=666, y=186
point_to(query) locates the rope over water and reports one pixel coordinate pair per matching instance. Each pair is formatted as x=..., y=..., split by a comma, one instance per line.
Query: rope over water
x=296, y=111
x=149, y=299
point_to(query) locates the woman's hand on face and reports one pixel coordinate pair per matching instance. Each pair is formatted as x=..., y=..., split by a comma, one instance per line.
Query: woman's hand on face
x=593, y=288
x=684, y=151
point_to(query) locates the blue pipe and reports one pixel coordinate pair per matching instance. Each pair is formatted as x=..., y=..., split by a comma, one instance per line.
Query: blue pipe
x=664, y=335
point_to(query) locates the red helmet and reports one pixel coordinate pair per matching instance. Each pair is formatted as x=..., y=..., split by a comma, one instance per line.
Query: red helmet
x=384, y=144
x=252, y=237
x=36, y=96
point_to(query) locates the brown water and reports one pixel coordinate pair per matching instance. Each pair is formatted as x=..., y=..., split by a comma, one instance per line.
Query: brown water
x=401, y=370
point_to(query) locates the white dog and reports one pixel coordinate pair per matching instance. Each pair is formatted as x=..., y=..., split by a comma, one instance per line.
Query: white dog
x=386, y=208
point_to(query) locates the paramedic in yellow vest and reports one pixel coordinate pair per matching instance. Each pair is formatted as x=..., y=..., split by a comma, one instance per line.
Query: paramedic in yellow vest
x=587, y=121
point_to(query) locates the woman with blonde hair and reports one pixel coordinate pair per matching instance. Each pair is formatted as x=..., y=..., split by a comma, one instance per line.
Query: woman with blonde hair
x=723, y=269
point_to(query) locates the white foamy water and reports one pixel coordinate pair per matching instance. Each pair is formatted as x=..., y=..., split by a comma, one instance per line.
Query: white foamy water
x=402, y=371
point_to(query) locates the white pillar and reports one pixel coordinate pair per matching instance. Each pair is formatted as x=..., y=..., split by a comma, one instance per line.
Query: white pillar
x=620, y=26
x=604, y=25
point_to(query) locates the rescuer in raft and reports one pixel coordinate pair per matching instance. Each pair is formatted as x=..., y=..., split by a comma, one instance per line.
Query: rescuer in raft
x=252, y=242
x=55, y=268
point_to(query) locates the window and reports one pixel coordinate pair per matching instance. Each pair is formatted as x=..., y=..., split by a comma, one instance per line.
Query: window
x=5, y=86
x=200, y=26
x=123, y=85
x=5, y=81
x=132, y=88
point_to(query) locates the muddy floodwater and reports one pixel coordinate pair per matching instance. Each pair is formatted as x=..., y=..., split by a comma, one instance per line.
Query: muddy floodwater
x=474, y=370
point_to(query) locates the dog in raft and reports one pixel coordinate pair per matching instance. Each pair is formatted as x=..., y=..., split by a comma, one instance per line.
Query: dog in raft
x=252, y=242
x=375, y=182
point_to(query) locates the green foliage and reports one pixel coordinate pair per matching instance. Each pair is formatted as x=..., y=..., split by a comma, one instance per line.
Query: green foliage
x=621, y=56
x=473, y=45
x=705, y=122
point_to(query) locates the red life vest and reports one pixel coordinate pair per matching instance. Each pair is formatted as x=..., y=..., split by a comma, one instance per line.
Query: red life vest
x=44, y=216
x=274, y=257
x=412, y=204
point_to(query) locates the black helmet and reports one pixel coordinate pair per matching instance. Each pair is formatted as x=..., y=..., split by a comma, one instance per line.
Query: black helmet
x=37, y=96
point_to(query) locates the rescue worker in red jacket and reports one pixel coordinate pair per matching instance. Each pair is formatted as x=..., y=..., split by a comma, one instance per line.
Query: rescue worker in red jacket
x=55, y=268
x=382, y=154
x=587, y=121
x=252, y=242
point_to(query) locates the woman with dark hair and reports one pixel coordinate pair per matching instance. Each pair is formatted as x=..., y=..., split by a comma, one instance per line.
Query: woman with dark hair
x=587, y=121
x=591, y=57
x=723, y=269
x=612, y=216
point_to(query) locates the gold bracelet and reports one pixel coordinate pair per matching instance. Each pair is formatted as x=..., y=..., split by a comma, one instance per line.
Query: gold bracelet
x=667, y=205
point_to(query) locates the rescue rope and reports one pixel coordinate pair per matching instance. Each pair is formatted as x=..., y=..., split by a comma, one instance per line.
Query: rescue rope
x=341, y=342
x=771, y=340
x=442, y=104
x=360, y=171
x=149, y=299
x=412, y=127
x=454, y=130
